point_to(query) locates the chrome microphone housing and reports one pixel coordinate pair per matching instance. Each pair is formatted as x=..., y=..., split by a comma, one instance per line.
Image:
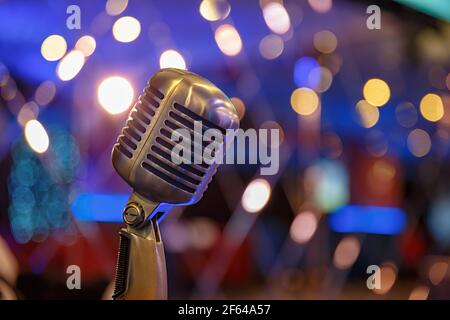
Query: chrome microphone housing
x=173, y=100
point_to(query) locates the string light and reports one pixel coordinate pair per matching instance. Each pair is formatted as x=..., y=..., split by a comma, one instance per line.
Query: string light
x=432, y=107
x=54, y=47
x=126, y=29
x=115, y=94
x=228, y=40
x=172, y=59
x=36, y=136
x=70, y=65
x=256, y=195
x=376, y=92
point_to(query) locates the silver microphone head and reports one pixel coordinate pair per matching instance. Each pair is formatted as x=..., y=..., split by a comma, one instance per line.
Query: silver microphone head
x=174, y=99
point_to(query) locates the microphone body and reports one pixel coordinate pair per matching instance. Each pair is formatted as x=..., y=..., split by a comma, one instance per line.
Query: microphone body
x=174, y=101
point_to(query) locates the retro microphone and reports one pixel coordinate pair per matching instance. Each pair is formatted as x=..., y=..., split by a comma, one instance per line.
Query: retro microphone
x=174, y=99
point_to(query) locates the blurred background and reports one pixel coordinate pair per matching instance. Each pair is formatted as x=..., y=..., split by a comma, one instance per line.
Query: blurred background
x=364, y=120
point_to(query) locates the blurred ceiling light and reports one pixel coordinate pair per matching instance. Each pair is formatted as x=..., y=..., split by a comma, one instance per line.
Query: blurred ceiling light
x=115, y=7
x=325, y=79
x=419, y=293
x=29, y=111
x=276, y=17
x=376, y=143
x=325, y=41
x=321, y=6
x=368, y=114
x=271, y=46
x=347, y=251
x=388, y=276
x=45, y=93
x=304, y=101
x=376, y=92
x=86, y=45
x=36, y=136
x=228, y=40
x=54, y=47
x=406, y=114
x=172, y=59
x=70, y=65
x=213, y=10
x=437, y=272
x=126, y=29
x=303, y=227
x=256, y=195
x=115, y=94
x=432, y=107
x=419, y=142
x=239, y=105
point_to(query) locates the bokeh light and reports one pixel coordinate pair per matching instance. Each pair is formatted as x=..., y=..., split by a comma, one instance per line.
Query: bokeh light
x=303, y=227
x=115, y=94
x=347, y=251
x=432, y=107
x=29, y=111
x=276, y=17
x=419, y=293
x=45, y=93
x=228, y=40
x=376, y=143
x=438, y=221
x=256, y=195
x=406, y=114
x=325, y=79
x=115, y=7
x=368, y=114
x=126, y=29
x=172, y=59
x=376, y=92
x=304, y=101
x=302, y=73
x=86, y=45
x=36, y=136
x=54, y=47
x=271, y=46
x=70, y=65
x=325, y=41
x=419, y=142
x=388, y=276
x=438, y=271
x=321, y=6
x=214, y=10
x=239, y=105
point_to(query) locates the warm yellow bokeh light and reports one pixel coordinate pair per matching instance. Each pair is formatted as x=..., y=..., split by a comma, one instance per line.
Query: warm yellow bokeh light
x=172, y=59
x=347, y=251
x=432, y=107
x=126, y=29
x=86, y=45
x=276, y=17
x=368, y=114
x=53, y=47
x=388, y=276
x=376, y=92
x=115, y=7
x=228, y=40
x=304, y=101
x=419, y=142
x=256, y=195
x=271, y=46
x=213, y=10
x=70, y=65
x=419, y=293
x=115, y=94
x=36, y=136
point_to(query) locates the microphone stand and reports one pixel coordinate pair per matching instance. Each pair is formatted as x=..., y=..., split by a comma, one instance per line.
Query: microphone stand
x=141, y=266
